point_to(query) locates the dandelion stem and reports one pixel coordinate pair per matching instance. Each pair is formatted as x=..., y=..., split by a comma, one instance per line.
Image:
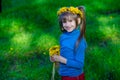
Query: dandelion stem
x=53, y=72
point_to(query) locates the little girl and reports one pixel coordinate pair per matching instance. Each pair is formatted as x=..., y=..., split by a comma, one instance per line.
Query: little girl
x=72, y=43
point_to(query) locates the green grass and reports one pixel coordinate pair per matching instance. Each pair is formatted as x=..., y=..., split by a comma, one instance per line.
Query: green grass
x=29, y=28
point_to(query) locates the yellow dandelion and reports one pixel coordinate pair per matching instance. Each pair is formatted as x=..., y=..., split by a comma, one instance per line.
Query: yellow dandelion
x=63, y=9
x=54, y=50
x=71, y=9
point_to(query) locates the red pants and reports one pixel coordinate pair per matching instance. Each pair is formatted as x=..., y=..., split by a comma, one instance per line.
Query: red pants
x=80, y=77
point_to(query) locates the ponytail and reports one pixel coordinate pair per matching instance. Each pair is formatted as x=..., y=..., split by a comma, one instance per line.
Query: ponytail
x=82, y=26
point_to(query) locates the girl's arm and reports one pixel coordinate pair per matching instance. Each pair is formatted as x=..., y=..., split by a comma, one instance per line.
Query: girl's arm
x=78, y=61
x=60, y=59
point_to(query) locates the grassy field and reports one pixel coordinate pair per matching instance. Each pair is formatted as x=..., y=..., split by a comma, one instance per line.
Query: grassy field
x=29, y=28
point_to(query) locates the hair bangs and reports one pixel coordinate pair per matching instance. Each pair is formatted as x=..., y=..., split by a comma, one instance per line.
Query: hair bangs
x=67, y=16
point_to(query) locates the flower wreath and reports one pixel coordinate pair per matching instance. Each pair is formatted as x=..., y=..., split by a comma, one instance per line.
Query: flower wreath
x=73, y=10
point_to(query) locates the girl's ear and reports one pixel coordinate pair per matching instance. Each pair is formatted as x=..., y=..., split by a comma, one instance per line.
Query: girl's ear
x=79, y=21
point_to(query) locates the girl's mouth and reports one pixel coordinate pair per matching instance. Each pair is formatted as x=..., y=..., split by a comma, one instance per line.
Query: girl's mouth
x=68, y=28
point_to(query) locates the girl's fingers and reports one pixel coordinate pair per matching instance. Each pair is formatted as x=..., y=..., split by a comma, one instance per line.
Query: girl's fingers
x=52, y=59
x=56, y=57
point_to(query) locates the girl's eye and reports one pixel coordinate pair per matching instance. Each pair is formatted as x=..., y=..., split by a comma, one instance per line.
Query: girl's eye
x=64, y=21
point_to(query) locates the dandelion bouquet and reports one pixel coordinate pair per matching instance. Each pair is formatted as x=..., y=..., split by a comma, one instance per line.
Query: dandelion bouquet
x=54, y=50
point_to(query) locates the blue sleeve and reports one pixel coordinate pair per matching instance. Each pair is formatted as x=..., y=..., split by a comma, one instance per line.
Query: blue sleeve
x=78, y=61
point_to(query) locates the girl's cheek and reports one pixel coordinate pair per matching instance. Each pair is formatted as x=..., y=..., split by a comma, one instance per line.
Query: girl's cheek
x=63, y=25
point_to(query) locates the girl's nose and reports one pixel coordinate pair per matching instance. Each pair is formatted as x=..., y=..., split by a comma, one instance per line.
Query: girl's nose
x=67, y=23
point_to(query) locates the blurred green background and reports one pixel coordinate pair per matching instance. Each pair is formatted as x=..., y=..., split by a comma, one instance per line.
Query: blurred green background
x=28, y=28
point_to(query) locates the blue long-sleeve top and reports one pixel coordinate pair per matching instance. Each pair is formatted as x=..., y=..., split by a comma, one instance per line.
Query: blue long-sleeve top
x=75, y=59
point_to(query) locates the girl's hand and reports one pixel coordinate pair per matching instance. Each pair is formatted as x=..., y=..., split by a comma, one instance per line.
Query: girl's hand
x=52, y=59
x=59, y=59
x=56, y=58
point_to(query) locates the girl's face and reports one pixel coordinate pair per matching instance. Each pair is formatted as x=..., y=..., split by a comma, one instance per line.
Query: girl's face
x=69, y=24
